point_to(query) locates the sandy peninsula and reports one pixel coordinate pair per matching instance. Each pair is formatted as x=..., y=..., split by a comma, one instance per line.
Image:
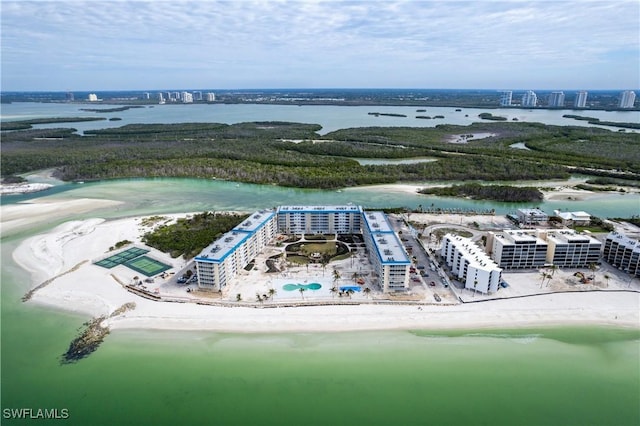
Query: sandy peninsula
x=63, y=258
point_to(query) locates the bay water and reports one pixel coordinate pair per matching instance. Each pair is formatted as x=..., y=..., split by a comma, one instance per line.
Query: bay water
x=549, y=376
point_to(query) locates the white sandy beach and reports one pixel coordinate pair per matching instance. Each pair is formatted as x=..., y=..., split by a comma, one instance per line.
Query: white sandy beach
x=93, y=290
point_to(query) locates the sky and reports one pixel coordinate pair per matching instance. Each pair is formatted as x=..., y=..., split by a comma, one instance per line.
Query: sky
x=482, y=44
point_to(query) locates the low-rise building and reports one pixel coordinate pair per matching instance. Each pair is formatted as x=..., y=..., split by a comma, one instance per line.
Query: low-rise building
x=532, y=216
x=470, y=264
x=623, y=253
x=573, y=218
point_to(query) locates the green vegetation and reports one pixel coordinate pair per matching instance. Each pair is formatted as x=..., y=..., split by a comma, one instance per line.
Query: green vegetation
x=489, y=116
x=189, y=236
x=286, y=154
x=116, y=109
x=28, y=124
x=13, y=179
x=613, y=181
x=488, y=192
x=593, y=120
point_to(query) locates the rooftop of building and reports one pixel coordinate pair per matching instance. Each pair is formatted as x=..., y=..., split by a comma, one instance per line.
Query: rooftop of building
x=531, y=236
x=475, y=255
x=377, y=221
x=255, y=221
x=570, y=236
x=535, y=210
x=223, y=246
x=318, y=209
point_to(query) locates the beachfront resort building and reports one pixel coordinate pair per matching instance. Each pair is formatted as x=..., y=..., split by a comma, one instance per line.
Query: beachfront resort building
x=320, y=219
x=386, y=253
x=221, y=261
x=623, y=253
x=517, y=249
x=535, y=248
x=568, y=249
x=470, y=264
x=573, y=218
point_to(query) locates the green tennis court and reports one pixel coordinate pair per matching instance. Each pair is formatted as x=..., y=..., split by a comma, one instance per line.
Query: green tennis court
x=147, y=266
x=122, y=257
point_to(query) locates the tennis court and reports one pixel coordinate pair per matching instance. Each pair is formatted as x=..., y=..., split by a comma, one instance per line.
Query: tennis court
x=146, y=266
x=122, y=257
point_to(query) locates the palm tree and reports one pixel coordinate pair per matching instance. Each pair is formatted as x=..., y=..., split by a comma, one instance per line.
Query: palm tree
x=593, y=267
x=333, y=291
x=350, y=292
x=272, y=292
x=475, y=284
x=354, y=276
x=336, y=275
x=302, y=290
x=607, y=277
x=367, y=291
x=544, y=276
x=238, y=297
x=259, y=298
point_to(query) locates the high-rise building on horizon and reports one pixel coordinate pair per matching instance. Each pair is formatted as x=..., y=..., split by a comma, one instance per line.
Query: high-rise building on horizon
x=581, y=99
x=211, y=97
x=529, y=99
x=556, y=99
x=187, y=97
x=627, y=99
x=505, y=98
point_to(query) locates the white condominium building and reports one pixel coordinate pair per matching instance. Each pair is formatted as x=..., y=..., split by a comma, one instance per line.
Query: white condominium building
x=627, y=99
x=186, y=97
x=517, y=249
x=211, y=97
x=319, y=219
x=529, y=99
x=581, y=99
x=470, y=264
x=556, y=99
x=222, y=260
x=623, y=253
x=568, y=249
x=505, y=98
x=390, y=261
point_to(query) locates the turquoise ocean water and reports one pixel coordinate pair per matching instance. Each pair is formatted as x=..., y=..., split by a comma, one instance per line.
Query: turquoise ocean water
x=554, y=376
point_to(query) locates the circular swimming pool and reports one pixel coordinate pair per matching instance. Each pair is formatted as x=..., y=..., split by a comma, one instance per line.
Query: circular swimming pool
x=294, y=287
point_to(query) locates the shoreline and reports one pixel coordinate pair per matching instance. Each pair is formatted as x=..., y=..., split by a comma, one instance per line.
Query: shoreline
x=95, y=291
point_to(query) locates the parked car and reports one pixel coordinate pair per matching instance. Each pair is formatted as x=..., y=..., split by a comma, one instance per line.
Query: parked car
x=415, y=279
x=420, y=266
x=432, y=283
x=435, y=296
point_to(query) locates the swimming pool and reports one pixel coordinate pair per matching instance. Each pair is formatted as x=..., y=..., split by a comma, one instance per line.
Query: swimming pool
x=350, y=287
x=294, y=287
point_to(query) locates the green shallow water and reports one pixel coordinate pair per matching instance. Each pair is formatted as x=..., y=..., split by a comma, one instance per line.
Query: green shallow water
x=557, y=376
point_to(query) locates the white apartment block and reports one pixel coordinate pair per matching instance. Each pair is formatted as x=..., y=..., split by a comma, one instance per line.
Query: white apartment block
x=568, y=249
x=623, y=253
x=581, y=99
x=627, y=99
x=470, y=264
x=211, y=97
x=320, y=219
x=92, y=97
x=386, y=253
x=556, y=99
x=517, y=249
x=529, y=99
x=222, y=260
x=187, y=97
x=505, y=98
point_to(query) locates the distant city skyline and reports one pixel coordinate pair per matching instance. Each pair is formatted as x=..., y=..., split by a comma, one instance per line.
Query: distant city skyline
x=502, y=45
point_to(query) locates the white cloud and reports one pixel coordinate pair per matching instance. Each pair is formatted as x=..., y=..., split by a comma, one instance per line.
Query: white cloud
x=328, y=43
